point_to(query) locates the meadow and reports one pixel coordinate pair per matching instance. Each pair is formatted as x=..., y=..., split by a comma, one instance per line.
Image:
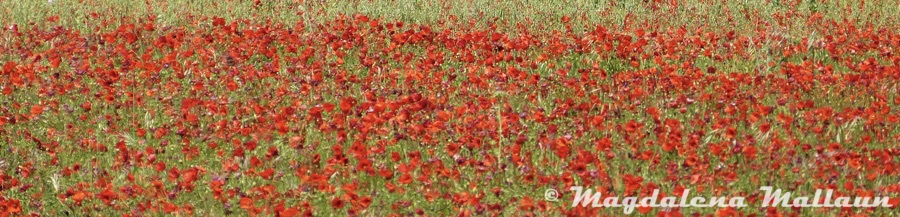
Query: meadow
x=443, y=108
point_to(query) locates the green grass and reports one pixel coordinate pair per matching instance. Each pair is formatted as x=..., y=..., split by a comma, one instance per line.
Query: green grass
x=787, y=18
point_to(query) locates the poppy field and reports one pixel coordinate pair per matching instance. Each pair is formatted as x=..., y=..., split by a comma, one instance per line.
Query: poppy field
x=443, y=108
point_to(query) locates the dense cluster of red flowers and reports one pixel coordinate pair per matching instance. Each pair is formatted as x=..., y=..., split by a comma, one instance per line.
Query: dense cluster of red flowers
x=365, y=116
